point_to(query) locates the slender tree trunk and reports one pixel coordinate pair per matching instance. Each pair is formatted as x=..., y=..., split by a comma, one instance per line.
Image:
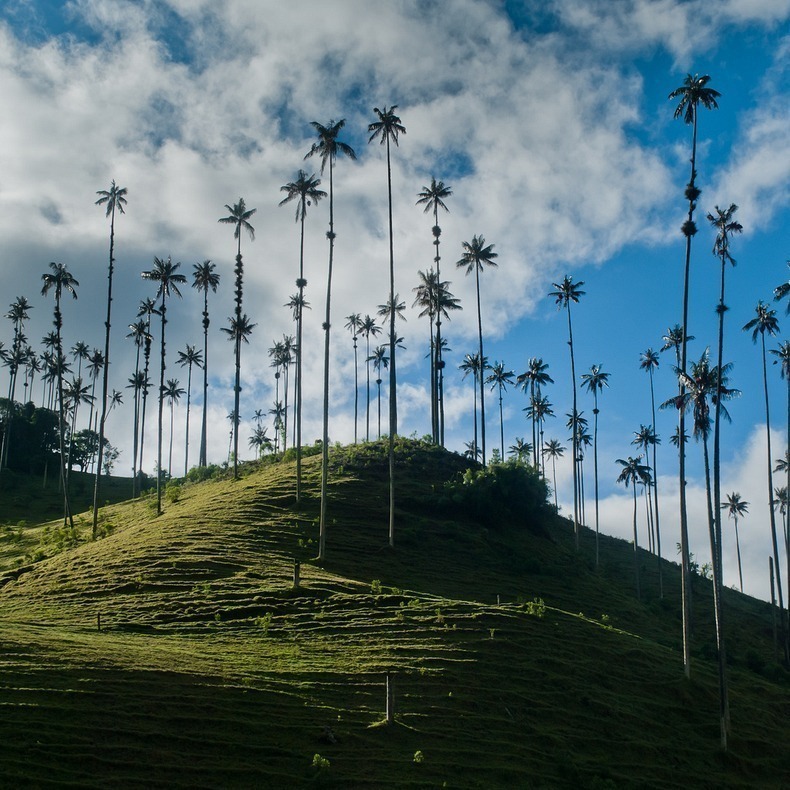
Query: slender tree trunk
x=237, y=385
x=105, y=377
x=636, y=550
x=159, y=414
x=738, y=550
x=189, y=399
x=393, y=395
x=482, y=368
x=204, y=422
x=367, y=387
x=595, y=471
x=501, y=427
x=325, y=435
x=378, y=385
x=771, y=513
x=574, y=432
x=356, y=388
x=170, y=455
x=437, y=357
x=301, y=284
x=146, y=370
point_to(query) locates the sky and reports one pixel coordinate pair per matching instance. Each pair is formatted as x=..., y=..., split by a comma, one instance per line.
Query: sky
x=549, y=120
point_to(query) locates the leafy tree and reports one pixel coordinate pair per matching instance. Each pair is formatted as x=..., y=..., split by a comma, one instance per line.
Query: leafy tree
x=327, y=147
x=18, y=313
x=645, y=439
x=205, y=279
x=736, y=507
x=520, y=450
x=570, y=292
x=475, y=257
x=59, y=279
x=187, y=358
x=540, y=407
x=690, y=95
x=114, y=200
x=239, y=216
x=304, y=190
x=432, y=199
x=165, y=274
x=260, y=441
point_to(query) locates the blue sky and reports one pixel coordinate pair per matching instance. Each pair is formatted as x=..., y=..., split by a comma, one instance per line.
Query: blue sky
x=550, y=122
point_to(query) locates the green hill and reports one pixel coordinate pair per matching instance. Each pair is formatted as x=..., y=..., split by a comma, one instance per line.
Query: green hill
x=175, y=651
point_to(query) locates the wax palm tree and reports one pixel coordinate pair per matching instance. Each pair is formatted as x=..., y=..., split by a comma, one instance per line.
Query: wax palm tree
x=577, y=425
x=114, y=200
x=476, y=256
x=534, y=377
x=554, y=450
x=238, y=331
x=354, y=324
x=725, y=226
x=137, y=331
x=540, y=407
x=594, y=382
x=205, y=279
x=80, y=351
x=649, y=361
x=75, y=393
x=19, y=312
x=765, y=323
x=277, y=412
x=387, y=129
x=782, y=355
x=471, y=364
x=327, y=147
x=690, y=95
x=239, y=216
x=306, y=192
x=380, y=360
x=568, y=292
x=94, y=368
x=60, y=280
x=633, y=473
x=173, y=392
x=499, y=378
x=432, y=199
x=425, y=298
x=645, y=439
x=260, y=441
x=147, y=308
x=165, y=274
x=188, y=358
x=521, y=450
x=369, y=327
x=736, y=507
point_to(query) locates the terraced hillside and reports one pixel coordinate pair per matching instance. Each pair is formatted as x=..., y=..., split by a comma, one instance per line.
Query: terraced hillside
x=176, y=651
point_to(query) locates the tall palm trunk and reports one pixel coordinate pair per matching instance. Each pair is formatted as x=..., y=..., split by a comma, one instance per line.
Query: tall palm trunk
x=161, y=399
x=105, y=378
x=146, y=370
x=574, y=436
x=202, y=461
x=67, y=517
x=298, y=377
x=595, y=471
x=367, y=387
x=393, y=395
x=655, y=489
x=325, y=434
x=356, y=386
x=772, y=515
x=636, y=550
x=189, y=399
x=482, y=367
x=237, y=348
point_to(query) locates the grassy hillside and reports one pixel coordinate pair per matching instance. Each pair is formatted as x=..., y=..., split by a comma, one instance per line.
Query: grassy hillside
x=175, y=651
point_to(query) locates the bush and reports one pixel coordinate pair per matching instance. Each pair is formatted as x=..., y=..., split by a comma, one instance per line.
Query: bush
x=502, y=495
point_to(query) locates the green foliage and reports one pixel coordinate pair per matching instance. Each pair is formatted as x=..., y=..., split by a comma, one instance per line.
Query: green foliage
x=321, y=763
x=375, y=586
x=172, y=492
x=418, y=756
x=536, y=607
x=264, y=621
x=502, y=496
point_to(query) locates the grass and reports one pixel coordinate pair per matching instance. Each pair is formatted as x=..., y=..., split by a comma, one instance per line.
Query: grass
x=210, y=670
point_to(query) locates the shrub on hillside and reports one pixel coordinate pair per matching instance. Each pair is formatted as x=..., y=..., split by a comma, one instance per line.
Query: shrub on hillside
x=501, y=496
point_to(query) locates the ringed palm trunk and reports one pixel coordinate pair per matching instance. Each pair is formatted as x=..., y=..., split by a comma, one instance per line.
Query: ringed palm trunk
x=595, y=471
x=574, y=436
x=146, y=369
x=325, y=434
x=189, y=398
x=636, y=549
x=771, y=513
x=202, y=461
x=393, y=378
x=67, y=518
x=160, y=405
x=105, y=378
x=655, y=490
x=298, y=396
x=237, y=385
x=482, y=365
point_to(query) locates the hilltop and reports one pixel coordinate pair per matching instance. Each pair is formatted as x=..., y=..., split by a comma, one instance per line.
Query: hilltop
x=175, y=651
